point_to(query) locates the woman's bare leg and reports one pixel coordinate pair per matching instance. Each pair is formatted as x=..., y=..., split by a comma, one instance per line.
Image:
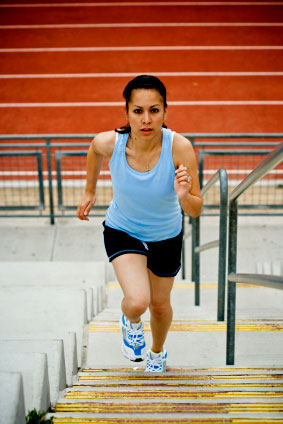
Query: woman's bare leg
x=160, y=309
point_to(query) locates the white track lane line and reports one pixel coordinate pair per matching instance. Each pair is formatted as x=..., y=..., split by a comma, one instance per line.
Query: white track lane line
x=172, y=103
x=134, y=74
x=134, y=48
x=147, y=25
x=146, y=4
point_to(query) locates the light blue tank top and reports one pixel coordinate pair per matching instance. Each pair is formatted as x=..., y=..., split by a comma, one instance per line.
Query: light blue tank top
x=145, y=204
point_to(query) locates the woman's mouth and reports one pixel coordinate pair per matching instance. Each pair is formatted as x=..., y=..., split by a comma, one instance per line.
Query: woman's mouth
x=146, y=130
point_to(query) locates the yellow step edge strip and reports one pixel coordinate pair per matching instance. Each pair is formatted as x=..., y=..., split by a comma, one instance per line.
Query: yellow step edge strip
x=169, y=421
x=170, y=407
x=114, y=328
x=238, y=371
x=145, y=377
x=189, y=286
x=172, y=394
x=178, y=385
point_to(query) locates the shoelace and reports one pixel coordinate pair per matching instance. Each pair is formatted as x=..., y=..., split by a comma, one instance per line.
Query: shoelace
x=154, y=364
x=136, y=337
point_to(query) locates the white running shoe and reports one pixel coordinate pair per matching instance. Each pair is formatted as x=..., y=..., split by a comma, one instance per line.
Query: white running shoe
x=133, y=343
x=156, y=362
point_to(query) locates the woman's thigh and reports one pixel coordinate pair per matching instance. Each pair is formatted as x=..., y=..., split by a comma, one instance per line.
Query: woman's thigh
x=132, y=274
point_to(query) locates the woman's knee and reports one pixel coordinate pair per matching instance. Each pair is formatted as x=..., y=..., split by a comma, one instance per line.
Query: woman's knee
x=137, y=306
x=160, y=309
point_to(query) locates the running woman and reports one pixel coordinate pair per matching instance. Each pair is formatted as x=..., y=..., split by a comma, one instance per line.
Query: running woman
x=154, y=176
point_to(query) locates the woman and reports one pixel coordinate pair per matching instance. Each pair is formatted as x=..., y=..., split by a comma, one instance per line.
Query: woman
x=154, y=175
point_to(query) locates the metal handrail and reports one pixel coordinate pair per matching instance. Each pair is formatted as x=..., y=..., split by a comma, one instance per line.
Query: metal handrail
x=271, y=281
x=273, y=159
x=221, y=176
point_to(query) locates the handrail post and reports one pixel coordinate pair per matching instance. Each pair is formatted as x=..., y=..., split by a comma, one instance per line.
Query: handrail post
x=231, y=301
x=183, y=259
x=49, y=165
x=200, y=168
x=193, y=249
x=197, y=262
x=222, y=244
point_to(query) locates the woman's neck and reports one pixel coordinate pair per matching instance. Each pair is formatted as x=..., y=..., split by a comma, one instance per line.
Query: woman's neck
x=141, y=145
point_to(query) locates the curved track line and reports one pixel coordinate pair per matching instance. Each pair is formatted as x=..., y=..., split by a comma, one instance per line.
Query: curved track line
x=170, y=103
x=135, y=48
x=133, y=74
x=146, y=25
x=145, y=4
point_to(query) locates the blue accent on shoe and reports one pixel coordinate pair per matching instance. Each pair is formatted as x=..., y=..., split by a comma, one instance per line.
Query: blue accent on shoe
x=156, y=363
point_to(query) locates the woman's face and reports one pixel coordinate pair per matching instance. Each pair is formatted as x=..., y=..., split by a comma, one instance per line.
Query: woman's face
x=146, y=113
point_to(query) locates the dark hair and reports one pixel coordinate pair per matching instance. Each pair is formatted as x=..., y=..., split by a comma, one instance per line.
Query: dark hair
x=146, y=82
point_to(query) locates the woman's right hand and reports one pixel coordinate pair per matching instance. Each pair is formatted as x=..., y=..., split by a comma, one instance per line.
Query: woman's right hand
x=85, y=205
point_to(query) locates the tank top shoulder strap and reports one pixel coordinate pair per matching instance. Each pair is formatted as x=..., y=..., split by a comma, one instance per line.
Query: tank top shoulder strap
x=168, y=137
x=120, y=140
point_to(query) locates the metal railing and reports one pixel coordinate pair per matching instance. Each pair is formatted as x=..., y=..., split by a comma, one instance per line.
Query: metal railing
x=272, y=160
x=221, y=242
x=50, y=193
x=232, y=154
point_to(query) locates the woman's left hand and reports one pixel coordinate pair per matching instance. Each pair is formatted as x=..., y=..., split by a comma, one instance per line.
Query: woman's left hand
x=183, y=182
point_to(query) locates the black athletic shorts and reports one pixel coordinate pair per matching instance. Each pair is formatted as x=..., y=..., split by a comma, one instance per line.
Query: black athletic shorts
x=163, y=257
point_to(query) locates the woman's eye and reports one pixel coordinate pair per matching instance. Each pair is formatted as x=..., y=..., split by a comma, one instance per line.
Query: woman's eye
x=137, y=111
x=154, y=110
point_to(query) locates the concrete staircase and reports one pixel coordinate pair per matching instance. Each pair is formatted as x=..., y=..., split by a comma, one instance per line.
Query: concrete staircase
x=197, y=386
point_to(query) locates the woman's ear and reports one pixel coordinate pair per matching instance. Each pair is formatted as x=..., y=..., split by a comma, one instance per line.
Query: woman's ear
x=165, y=114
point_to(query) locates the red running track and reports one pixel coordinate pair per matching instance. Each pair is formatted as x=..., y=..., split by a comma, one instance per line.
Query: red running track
x=190, y=88
x=142, y=61
x=143, y=36
x=214, y=119
x=194, y=118
x=81, y=15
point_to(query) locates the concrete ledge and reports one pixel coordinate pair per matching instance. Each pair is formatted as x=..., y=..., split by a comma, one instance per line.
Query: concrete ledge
x=69, y=341
x=12, y=402
x=54, y=350
x=84, y=275
x=44, y=309
x=33, y=367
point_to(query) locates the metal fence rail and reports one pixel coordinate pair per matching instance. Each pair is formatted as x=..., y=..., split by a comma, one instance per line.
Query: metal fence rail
x=56, y=189
x=239, y=163
x=220, y=176
x=264, y=167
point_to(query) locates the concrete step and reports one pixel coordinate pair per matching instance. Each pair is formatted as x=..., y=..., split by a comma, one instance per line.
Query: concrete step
x=192, y=344
x=12, y=401
x=44, y=309
x=85, y=275
x=221, y=394
x=69, y=349
x=54, y=350
x=253, y=302
x=34, y=371
x=270, y=267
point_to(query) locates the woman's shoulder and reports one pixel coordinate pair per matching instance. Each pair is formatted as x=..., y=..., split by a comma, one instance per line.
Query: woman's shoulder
x=182, y=149
x=181, y=143
x=104, y=142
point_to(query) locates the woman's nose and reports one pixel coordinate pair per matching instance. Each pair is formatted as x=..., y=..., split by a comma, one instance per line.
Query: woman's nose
x=146, y=118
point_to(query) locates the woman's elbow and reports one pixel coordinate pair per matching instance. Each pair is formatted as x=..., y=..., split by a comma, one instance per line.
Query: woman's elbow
x=196, y=211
